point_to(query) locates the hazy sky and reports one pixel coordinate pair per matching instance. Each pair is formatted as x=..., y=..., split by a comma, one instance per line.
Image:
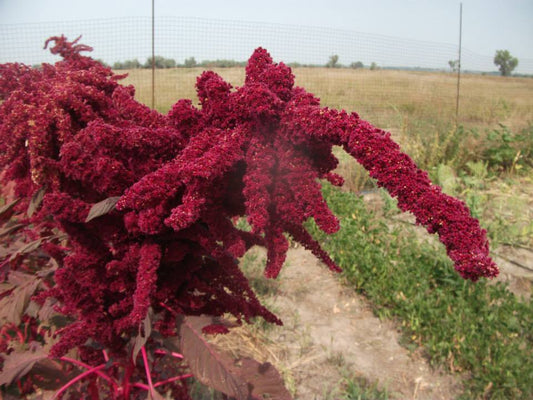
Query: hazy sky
x=487, y=24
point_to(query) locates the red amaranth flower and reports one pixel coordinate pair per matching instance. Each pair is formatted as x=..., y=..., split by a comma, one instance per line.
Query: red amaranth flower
x=257, y=151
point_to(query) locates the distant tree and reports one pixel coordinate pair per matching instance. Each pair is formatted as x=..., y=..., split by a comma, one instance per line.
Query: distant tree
x=357, y=65
x=169, y=63
x=373, y=66
x=190, y=62
x=505, y=62
x=333, y=60
x=128, y=64
x=221, y=63
x=160, y=62
x=454, y=65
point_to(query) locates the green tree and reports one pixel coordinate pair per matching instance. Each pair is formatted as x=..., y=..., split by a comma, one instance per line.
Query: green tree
x=190, y=62
x=505, y=62
x=333, y=60
x=160, y=62
x=357, y=65
x=454, y=65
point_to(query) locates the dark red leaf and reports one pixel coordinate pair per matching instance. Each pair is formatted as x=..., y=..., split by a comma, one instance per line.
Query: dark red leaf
x=245, y=380
x=209, y=366
x=10, y=229
x=142, y=337
x=26, y=249
x=264, y=380
x=13, y=306
x=18, y=364
x=6, y=211
x=51, y=374
x=36, y=201
x=101, y=208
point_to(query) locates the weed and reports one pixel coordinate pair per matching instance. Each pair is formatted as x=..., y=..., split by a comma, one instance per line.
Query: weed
x=359, y=388
x=508, y=151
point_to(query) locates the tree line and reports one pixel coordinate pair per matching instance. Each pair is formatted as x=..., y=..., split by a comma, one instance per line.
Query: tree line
x=505, y=62
x=162, y=62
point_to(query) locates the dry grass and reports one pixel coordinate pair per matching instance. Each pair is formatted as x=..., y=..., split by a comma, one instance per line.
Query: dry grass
x=419, y=108
x=173, y=84
x=385, y=97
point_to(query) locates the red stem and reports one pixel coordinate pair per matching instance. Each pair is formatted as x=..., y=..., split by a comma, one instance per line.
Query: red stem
x=147, y=369
x=175, y=378
x=126, y=382
x=101, y=374
x=141, y=385
x=172, y=353
x=168, y=308
x=76, y=379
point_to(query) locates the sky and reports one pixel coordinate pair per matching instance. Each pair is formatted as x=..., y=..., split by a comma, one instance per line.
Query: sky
x=488, y=25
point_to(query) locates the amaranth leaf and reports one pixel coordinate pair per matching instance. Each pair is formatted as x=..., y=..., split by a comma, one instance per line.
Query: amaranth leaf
x=13, y=306
x=209, y=366
x=264, y=380
x=142, y=337
x=18, y=364
x=36, y=201
x=102, y=207
x=6, y=211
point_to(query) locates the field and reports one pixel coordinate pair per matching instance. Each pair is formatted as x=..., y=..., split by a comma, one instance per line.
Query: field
x=418, y=108
x=483, y=157
x=384, y=97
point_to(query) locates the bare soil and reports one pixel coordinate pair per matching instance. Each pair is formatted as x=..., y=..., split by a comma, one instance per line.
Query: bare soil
x=330, y=333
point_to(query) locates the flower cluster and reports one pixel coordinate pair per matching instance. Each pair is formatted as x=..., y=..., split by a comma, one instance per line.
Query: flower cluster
x=257, y=151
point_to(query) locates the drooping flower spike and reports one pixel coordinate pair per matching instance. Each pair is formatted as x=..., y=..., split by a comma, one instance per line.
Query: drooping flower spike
x=258, y=151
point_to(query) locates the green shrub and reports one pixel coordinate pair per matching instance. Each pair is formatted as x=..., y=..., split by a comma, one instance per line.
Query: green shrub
x=508, y=151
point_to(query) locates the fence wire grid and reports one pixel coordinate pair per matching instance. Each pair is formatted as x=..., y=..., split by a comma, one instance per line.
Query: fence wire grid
x=116, y=40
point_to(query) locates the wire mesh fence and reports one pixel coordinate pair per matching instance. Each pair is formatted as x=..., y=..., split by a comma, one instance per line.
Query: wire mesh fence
x=394, y=69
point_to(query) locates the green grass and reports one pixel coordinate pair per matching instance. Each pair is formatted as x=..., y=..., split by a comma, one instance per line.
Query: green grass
x=358, y=388
x=479, y=329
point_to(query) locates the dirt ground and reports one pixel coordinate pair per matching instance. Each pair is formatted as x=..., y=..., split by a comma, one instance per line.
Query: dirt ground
x=330, y=333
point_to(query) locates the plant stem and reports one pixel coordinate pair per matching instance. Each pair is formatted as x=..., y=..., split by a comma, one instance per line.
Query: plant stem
x=175, y=378
x=126, y=381
x=100, y=374
x=76, y=379
x=147, y=369
x=172, y=353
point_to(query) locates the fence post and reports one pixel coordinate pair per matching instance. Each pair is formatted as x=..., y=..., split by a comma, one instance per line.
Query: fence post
x=153, y=56
x=459, y=64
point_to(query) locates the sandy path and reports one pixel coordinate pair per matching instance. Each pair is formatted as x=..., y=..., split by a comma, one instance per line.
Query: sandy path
x=330, y=329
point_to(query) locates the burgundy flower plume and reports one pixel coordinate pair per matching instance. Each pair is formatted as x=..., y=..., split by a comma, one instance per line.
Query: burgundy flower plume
x=257, y=151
